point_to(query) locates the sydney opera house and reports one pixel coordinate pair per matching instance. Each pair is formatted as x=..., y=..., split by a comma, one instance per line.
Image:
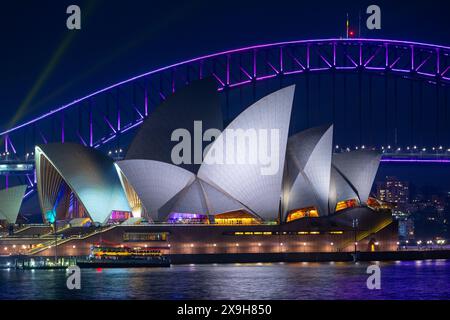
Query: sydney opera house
x=312, y=200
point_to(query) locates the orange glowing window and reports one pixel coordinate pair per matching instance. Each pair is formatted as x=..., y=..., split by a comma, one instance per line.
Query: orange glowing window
x=235, y=217
x=371, y=202
x=310, y=212
x=378, y=204
x=346, y=204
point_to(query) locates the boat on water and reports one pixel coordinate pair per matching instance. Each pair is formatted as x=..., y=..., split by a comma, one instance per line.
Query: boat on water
x=40, y=263
x=124, y=257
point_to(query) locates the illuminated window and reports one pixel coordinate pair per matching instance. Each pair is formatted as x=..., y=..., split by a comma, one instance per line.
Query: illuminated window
x=371, y=202
x=378, y=204
x=139, y=237
x=310, y=212
x=187, y=218
x=119, y=216
x=310, y=233
x=346, y=204
x=235, y=217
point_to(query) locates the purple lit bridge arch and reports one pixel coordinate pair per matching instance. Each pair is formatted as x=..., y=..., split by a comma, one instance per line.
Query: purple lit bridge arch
x=105, y=118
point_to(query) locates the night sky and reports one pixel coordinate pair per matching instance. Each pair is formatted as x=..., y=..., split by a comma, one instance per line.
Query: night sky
x=43, y=65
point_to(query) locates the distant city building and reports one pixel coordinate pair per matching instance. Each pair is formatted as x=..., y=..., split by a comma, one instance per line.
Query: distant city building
x=406, y=229
x=397, y=193
x=394, y=191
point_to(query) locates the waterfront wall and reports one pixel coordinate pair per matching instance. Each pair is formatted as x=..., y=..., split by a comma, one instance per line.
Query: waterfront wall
x=334, y=234
x=203, y=240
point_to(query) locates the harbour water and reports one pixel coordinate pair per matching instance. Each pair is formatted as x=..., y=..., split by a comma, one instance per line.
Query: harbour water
x=427, y=279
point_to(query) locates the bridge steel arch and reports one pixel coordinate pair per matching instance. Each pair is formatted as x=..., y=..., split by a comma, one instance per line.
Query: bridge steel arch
x=101, y=118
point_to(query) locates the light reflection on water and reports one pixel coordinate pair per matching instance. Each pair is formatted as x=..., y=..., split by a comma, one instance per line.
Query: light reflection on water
x=334, y=280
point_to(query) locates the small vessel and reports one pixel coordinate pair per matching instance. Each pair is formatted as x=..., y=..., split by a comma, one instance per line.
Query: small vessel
x=124, y=257
x=41, y=263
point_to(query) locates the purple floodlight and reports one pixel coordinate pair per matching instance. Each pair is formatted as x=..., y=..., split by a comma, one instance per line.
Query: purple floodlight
x=416, y=160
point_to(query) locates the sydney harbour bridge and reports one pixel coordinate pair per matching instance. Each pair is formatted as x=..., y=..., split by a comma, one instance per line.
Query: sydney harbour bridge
x=385, y=94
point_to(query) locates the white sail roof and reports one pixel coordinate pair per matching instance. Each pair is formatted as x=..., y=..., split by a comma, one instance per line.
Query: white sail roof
x=89, y=173
x=309, y=169
x=198, y=101
x=246, y=181
x=359, y=169
x=10, y=202
x=155, y=182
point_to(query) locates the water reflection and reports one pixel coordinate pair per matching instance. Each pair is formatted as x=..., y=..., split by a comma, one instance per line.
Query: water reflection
x=400, y=280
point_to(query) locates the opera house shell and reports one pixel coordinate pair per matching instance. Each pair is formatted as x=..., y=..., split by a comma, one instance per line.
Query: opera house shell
x=310, y=181
x=10, y=202
x=75, y=181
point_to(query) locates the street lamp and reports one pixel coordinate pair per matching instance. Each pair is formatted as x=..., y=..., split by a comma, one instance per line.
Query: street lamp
x=355, y=226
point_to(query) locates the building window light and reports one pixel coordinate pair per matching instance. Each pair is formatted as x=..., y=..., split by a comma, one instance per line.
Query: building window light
x=310, y=212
